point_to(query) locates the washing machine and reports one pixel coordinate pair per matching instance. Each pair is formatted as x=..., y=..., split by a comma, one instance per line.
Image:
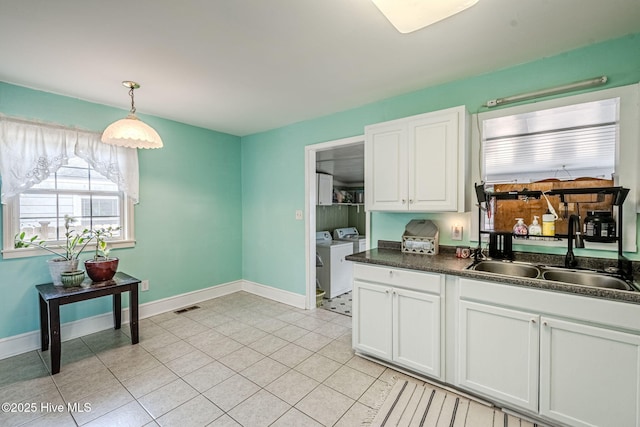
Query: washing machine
x=350, y=234
x=335, y=273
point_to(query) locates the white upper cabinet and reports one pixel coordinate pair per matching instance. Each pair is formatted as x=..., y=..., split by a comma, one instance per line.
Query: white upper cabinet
x=418, y=163
x=324, y=193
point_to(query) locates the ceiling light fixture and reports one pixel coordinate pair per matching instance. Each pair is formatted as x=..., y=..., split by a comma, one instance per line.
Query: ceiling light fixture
x=131, y=131
x=411, y=15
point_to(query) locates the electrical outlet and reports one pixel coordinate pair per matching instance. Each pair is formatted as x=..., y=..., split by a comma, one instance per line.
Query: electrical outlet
x=144, y=285
x=456, y=232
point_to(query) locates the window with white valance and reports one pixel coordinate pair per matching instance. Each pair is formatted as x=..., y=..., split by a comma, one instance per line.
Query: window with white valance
x=48, y=171
x=30, y=152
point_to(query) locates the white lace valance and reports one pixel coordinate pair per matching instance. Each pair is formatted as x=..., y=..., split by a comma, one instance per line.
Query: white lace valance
x=30, y=152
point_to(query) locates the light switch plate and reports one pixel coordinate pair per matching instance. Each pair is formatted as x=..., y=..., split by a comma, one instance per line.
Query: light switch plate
x=298, y=214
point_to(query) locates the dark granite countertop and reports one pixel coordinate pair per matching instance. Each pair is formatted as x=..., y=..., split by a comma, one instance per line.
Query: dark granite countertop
x=389, y=254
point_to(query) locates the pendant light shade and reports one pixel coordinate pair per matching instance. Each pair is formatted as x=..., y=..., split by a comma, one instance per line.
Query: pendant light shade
x=131, y=131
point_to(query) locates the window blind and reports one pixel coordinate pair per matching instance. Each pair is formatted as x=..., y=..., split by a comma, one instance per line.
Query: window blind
x=563, y=143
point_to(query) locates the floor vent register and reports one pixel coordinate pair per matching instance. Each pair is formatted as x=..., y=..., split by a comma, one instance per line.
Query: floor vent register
x=184, y=310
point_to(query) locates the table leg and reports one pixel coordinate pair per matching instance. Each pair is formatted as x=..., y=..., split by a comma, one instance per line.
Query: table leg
x=44, y=324
x=54, y=324
x=133, y=313
x=117, y=310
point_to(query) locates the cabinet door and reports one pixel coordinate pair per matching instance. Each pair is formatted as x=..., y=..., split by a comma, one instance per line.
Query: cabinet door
x=589, y=376
x=416, y=331
x=324, y=189
x=433, y=141
x=498, y=353
x=386, y=167
x=372, y=319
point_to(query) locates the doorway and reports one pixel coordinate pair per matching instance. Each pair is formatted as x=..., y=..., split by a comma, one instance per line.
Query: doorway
x=343, y=159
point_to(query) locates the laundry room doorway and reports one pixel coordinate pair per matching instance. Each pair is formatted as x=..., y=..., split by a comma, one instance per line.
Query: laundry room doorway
x=335, y=219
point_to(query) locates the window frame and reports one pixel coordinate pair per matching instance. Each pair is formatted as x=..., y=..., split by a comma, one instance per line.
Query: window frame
x=11, y=226
x=626, y=159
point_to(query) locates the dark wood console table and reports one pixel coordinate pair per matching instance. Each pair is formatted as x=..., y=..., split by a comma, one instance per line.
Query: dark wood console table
x=52, y=297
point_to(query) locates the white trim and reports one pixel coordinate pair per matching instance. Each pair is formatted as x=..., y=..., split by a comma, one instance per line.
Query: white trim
x=274, y=294
x=29, y=341
x=310, y=202
x=35, y=251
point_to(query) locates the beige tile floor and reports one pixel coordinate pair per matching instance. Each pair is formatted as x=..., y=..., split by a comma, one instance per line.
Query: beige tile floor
x=238, y=360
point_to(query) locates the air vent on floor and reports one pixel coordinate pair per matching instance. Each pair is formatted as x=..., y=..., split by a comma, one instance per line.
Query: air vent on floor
x=184, y=310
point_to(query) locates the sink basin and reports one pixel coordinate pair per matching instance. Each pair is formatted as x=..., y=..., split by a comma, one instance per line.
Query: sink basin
x=586, y=279
x=508, y=268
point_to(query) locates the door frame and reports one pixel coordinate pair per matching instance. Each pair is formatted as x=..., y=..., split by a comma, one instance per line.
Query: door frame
x=310, y=204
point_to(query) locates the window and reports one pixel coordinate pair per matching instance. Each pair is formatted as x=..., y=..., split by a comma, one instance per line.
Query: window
x=49, y=172
x=620, y=102
x=565, y=143
x=76, y=190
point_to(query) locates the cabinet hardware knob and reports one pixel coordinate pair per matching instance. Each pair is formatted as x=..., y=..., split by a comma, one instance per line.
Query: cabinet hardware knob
x=545, y=323
x=410, y=201
x=404, y=201
x=533, y=320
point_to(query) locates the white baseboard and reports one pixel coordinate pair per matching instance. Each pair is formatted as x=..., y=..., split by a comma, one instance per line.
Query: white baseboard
x=29, y=341
x=274, y=294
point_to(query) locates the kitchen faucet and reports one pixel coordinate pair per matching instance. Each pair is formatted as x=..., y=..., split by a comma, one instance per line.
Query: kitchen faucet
x=574, y=230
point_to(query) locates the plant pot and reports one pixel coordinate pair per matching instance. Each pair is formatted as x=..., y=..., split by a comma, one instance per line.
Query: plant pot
x=71, y=279
x=101, y=269
x=58, y=265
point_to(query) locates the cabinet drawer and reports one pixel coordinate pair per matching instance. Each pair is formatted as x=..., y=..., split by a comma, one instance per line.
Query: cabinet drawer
x=408, y=279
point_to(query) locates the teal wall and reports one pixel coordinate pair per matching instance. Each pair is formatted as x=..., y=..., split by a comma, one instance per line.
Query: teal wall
x=186, y=224
x=198, y=191
x=273, y=161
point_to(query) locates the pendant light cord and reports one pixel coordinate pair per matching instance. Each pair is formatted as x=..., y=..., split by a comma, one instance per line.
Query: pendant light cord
x=133, y=107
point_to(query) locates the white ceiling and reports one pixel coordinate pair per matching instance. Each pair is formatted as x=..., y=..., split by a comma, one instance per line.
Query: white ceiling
x=345, y=163
x=244, y=66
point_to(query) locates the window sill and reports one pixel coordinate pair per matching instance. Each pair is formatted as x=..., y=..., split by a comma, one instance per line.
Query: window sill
x=32, y=252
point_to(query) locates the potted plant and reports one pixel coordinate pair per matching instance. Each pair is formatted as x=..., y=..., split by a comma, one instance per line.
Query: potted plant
x=67, y=260
x=102, y=267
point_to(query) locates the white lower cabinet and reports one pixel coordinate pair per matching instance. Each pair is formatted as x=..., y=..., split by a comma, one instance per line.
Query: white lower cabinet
x=499, y=353
x=397, y=317
x=416, y=331
x=572, y=360
x=589, y=376
x=567, y=359
x=372, y=315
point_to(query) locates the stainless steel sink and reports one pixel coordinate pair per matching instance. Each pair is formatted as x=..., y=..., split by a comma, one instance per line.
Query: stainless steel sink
x=586, y=279
x=508, y=268
x=556, y=274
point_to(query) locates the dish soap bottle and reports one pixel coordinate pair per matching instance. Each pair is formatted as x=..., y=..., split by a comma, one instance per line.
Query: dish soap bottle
x=535, y=229
x=520, y=229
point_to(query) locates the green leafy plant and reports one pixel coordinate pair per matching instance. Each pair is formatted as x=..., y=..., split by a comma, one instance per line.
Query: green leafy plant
x=75, y=241
x=100, y=234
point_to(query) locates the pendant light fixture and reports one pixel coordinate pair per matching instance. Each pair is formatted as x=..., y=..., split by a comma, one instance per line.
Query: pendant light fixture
x=131, y=131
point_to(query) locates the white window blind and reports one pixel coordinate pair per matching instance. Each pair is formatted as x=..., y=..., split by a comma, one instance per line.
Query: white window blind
x=565, y=143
